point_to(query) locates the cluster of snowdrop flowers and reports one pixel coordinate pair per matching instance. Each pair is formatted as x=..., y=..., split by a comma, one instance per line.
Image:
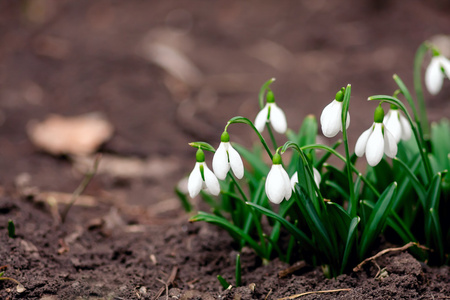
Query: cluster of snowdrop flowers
x=376, y=140
x=437, y=70
x=272, y=114
x=225, y=158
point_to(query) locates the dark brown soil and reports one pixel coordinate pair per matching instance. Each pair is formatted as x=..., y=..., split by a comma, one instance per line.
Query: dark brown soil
x=123, y=242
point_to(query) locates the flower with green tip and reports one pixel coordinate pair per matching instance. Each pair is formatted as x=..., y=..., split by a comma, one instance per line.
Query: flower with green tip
x=376, y=141
x=437, y=70
x=330, y=119
x=278, y=184
x=317, y=178
x=272, y=114
x=227, y=157
x=202, y=177
x=397, y=124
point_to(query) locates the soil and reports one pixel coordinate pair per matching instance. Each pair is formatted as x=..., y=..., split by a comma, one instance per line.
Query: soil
x=129, y=237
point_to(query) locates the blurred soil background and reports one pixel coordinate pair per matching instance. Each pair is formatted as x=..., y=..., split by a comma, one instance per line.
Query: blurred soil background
x=159, y=74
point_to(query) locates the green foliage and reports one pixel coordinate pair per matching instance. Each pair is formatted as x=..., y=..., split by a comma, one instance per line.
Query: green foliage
x=337, y=223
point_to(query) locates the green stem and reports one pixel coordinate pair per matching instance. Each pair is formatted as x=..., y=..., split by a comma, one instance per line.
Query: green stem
x=272, y=137
x=418, y=60
x=252, y=211
x=353, y=200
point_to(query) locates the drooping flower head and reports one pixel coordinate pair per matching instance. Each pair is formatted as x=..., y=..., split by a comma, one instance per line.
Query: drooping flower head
x=202, y=177
x=278, y=184
x=397, y=124
x=272, y=114
x=437, y=70
x=225, y=157
x=376, y=141
x=331, y=116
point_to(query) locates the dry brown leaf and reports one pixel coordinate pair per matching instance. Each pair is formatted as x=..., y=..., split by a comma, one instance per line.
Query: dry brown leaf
x=80, y=135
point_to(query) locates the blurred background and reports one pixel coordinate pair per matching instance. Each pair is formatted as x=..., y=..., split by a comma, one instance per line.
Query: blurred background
x=159, y=74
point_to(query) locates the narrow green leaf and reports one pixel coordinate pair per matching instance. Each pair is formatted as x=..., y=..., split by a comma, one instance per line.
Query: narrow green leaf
x=433, y=228
x=351, y=236
x=223, y=282
x=230, y=228
x=440, y=143
x=377, y=219
x=339, y=218
x=238, y=270
x=203, y=146
x=184, y=200
x=417, y=185
x=11, y=229
x=299, y=235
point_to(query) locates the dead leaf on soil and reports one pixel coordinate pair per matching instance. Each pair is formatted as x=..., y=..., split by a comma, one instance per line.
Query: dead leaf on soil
x=80, y=135
x=130, y=168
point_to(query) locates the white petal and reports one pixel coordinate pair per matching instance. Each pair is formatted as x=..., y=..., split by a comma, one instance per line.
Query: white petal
x=220, y=162
x=392, y=123
x=286, y=184
x=406, y=128
x=277, y=119
x=445, y=64
x=330, y=119
x=195, y=181
x=236, y=162
x=348, y=121
x=317, y=177
x=212, y=184
x=261, y=118
x=375, y=146
x=390, y=144
x=433, y=76
x=361, y=143
x=294, y=180
x=275, y=189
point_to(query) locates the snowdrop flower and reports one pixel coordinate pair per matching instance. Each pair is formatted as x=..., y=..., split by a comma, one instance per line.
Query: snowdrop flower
x=317, y=178
x=202, y=177
x=397, y=124
x=225, y=157
x=330, y=119
x=278, y=184
x=376, y=140
x=272, y=114
x=438, y=68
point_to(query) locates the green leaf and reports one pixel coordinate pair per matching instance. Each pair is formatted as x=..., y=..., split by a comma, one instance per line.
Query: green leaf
x=351, y=236
x=339, y=218
x=297, y=233
x=223, y=282
x=203, y=146
x=184, y=200
x=377, y=219
x=233, y=230
x=263, y=90
x=433, y=228
x=238, y=270
x=440, y=143
x=417, y=185
x=315, y=224
x=11, y=229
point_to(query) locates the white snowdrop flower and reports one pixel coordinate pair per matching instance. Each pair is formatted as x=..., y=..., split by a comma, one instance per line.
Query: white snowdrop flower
x=225, y=157
x=376, y=141
x=397, y=124
x=438, y=68
x=330, y=119
x=272, y=114
x=202, y=177
x=278, y=184
x=317, y=178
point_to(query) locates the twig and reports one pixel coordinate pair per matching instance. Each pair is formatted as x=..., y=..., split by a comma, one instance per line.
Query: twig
x=169, y=282
x=80, y=189
x=295, y=267
x=267, y=296
x=314, y=292
x=382, y=252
